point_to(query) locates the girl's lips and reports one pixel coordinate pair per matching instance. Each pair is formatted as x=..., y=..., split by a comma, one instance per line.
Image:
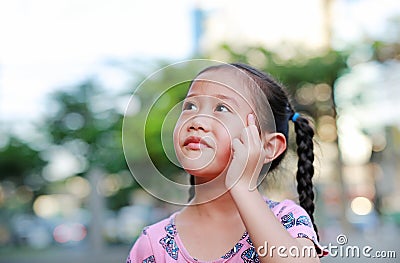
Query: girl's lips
x=194, y=146
x=195, y=143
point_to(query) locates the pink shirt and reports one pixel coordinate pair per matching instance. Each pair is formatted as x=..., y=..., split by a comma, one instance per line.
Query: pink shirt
x=161, y=242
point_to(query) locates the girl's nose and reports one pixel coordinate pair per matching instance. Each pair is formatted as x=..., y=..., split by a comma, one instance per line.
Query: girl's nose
x=198, y=124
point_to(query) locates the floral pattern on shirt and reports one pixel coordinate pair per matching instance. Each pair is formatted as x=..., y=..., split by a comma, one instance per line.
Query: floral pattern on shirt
x=288, y=220
x=150, y=259
x=233, y=251
x=250, y=256
x=303, y=220
x=168, y=242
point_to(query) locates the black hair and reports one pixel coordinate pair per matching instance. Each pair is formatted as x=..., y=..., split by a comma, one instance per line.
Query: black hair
x=283, y=111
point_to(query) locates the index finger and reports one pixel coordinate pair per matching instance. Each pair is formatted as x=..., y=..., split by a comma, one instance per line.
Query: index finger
x=251, y=120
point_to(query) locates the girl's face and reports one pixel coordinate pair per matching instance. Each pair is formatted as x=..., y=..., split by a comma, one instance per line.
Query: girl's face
x=214, y=112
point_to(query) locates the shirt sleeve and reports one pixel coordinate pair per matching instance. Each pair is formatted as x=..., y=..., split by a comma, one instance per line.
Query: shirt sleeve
x=298, y=223
x=141, y=251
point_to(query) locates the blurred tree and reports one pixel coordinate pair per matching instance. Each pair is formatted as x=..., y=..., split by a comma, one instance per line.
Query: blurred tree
x=389, y=49
x=86, y=114
x=85, y=121
x=296, y=71
x=18, y=161
x=20, y=180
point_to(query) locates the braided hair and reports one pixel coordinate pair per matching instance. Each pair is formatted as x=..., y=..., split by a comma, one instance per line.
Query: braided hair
x=282, y=111
x=305, y=168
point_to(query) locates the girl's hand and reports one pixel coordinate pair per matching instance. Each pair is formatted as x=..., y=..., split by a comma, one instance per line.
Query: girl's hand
x=248, y=157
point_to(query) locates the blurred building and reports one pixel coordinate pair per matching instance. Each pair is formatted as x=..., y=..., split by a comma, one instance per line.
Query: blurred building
x=266, y=23
x=311, y=25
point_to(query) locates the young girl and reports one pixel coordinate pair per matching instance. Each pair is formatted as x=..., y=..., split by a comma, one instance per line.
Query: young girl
x=233, y=127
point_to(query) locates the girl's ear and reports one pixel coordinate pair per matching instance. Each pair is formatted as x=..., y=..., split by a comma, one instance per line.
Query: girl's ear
x=274, y=145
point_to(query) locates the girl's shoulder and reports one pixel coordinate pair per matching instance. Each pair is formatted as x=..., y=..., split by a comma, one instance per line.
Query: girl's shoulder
x=281, y=206
x=154, y=241
x=296, y=221
x=289, y=213
x=161, y=227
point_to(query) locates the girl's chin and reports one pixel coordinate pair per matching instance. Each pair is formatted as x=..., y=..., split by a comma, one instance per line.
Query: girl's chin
x=204, y=168
x=204, y=174
x=198, y=174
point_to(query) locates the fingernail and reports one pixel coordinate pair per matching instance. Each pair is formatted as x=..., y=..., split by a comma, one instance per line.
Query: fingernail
x=251, y=116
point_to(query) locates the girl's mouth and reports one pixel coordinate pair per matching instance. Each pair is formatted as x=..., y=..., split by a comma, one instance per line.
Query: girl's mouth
x=195, y=143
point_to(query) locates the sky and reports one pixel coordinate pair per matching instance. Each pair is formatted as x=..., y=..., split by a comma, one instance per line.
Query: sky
x=46, y=45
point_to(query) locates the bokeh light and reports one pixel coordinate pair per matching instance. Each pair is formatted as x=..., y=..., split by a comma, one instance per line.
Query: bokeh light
x=78, y=186
x=69, y=233
x=110, y=185
x=361, y=205
x=46, y=206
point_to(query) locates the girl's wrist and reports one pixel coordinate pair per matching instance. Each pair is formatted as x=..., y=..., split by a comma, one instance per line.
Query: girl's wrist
x=246, y=183
x=242, y=194
x=242, y=187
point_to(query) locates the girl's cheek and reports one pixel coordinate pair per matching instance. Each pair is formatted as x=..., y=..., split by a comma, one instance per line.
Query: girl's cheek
x=234, y=128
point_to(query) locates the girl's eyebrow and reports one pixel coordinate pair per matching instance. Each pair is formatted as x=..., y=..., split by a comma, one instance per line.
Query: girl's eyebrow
x=219, y=96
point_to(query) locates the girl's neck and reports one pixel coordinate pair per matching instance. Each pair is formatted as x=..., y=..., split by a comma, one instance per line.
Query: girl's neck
x=213, y=199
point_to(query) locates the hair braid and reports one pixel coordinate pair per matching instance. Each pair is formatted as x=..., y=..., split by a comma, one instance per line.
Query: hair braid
x=305, y=168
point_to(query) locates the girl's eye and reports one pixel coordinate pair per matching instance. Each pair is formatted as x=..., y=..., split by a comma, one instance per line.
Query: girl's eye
x=222, y=108
x=189, y=106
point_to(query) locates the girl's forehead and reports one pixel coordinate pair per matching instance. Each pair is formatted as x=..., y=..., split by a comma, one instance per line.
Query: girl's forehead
x=222, y=80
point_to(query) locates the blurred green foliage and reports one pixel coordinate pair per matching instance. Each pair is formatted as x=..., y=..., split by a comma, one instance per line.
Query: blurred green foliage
x=296, y=71
x=158, y=124
x=18, y=161
x=84, y=113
